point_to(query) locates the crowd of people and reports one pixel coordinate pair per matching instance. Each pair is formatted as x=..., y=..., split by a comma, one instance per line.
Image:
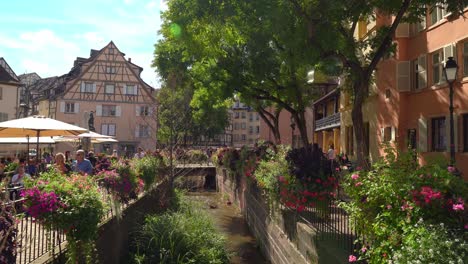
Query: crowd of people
x=13, y=171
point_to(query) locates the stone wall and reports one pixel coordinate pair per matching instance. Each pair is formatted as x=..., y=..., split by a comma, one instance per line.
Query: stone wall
x=114, y=236
x=282, y=237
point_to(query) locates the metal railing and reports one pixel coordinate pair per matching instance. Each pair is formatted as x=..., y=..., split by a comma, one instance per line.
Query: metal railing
x=36, y=241
x=328, y=122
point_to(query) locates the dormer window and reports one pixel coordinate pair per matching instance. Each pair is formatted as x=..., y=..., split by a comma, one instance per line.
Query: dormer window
x=111, y=70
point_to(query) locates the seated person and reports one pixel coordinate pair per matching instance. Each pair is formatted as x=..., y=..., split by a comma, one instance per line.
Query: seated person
x=31, y=168
x=82, y=165
x=18, y=181
x=60, y=164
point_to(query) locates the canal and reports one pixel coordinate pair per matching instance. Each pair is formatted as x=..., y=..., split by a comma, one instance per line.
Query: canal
x=231, y=223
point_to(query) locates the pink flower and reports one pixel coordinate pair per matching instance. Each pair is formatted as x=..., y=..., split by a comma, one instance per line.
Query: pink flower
x=363, y=249
x=281, y=178
x=451, y=169
x=355, y=176
x=389, y=206
x=466, y=226
x=358, y=168
x=358, y=184
x=458, y=207
x=352, y=258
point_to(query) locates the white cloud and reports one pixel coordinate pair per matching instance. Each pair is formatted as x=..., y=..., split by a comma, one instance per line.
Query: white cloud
x=163, y=5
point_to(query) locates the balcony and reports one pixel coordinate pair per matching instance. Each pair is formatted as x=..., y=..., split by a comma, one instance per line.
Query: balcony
x=331, y=121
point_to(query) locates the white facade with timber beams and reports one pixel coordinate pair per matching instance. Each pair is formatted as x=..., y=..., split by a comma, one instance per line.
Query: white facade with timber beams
x=108, y=87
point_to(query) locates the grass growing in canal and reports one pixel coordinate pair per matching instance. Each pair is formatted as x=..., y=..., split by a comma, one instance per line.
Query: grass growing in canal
x=184, y=234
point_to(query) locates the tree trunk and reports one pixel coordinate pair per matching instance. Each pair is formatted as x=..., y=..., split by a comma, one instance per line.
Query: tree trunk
x=360, y=88
x=301, y=125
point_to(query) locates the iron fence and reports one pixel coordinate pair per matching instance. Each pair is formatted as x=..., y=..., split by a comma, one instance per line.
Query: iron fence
x=35, y=240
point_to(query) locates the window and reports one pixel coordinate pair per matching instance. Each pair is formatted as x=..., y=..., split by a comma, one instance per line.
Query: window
x=250, y=116
x=243, y=115
x=111, y=50
x=465, y=61
x=387, y=134
x=130, y=90
x=144, y=110
x=110, y=89
x=3, y=117
x=236, y=126
x=257, y=117
x=439, y=138
x=236, y=115
x=109, y=110
x=465, y=133
x=69, y=107
x=111, y=70
x=236, y=105
x=438, y=14
x=258, y=130
x=88, y=87
x=437, y=67
x=108, y=129
x=144, y=131
x=242, y=126
x=244, y=137
x=412, y=139
x=250, y=129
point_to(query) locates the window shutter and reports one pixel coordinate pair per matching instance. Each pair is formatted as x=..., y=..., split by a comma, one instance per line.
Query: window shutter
x=118, y=111
x=450, y=51
x=422, y=72
x=402, y=30
x=94, y=87
x=104, y=129
x=62, y=107
x=137, y=110
x=137, y=131
x=125, y=89
x=422, y=134
x=403, y=76
x=83, y=87
x=393, y=137
x=382, y=133
x=136, y=90
x=447, y=132
x=77, y=107
x=98, y=110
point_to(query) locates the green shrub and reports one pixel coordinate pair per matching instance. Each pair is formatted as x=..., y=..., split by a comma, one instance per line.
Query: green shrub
x=186, y=235
x=150, y=169
x=389, y=200
x=196, y=156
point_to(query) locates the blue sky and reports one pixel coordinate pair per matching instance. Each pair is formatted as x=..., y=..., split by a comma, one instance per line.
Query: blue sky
x=46, y=36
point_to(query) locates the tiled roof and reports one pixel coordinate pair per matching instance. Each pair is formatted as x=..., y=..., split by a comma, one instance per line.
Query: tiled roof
x=6, y=73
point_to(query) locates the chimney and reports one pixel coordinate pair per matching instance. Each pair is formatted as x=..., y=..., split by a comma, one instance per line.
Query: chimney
x=129, y=59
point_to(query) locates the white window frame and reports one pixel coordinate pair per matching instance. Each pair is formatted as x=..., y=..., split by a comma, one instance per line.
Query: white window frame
x=437, y=67
x=144, y=110
x=134, y=89
x=108, y=129
x=440, y=12
x=143, y=131
x=69, y=107
x=109, y=110
x=89, y=87
x=108, y=87
x=111, y=70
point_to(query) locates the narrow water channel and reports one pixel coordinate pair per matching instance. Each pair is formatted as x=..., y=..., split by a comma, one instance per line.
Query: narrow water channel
x=230, y=222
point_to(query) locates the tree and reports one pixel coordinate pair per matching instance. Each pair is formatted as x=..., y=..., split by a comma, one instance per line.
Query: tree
x=331, y=25
x=247, y=47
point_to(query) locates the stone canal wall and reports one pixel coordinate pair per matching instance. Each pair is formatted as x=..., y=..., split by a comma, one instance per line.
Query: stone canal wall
x=282, y=238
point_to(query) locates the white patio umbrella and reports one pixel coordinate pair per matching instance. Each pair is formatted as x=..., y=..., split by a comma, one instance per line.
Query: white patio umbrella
x=36, y=126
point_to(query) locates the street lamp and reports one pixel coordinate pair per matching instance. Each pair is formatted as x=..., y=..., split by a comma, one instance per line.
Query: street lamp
x=450, y=72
